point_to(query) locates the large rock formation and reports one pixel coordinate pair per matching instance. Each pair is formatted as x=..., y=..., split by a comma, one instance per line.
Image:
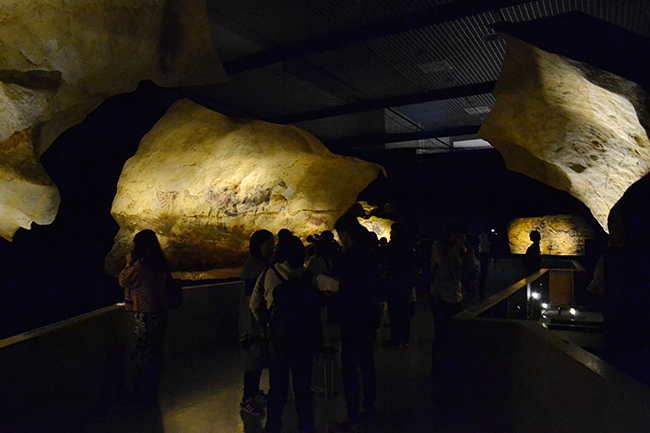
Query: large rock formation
x=60, y=59
x=205, y=183
x=570, y=126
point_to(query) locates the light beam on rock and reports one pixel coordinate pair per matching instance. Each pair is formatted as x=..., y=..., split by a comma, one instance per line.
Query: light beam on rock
x=205, y=182
x=569, y=125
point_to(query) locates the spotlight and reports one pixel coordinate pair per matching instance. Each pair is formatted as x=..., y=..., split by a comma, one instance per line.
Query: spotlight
x=535, y=295
x=544, y=305
x=573, y=312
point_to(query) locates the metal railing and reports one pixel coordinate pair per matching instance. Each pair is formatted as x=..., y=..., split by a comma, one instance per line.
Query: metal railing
x=524, y=300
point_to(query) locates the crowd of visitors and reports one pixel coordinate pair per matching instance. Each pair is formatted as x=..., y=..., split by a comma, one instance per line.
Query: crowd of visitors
x=351, y=283
x=294, y=296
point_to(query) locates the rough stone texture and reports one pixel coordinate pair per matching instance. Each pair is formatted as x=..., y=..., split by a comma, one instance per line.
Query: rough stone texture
x=379, y=226
x=205, y=183
x=60, y=59
x=28, y=195
x=562, y=235
x=570, y=126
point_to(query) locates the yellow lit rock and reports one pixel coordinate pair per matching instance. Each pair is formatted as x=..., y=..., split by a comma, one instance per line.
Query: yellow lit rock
x=379, y=226
x=205, y=183
x=570, y=126
x=28, y=195
x=562, y=235
x=60, y=59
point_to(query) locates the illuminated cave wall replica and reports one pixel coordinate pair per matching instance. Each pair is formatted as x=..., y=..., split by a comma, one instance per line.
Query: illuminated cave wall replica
x=60, y=59
x=377, y=225
x=205, y=183
x=562, y=235
x=570, y=126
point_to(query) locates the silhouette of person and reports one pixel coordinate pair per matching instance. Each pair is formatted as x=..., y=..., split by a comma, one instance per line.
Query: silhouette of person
x=295, y=333
x=532, y=260
x=446, y=287
x=400, y=270
x=325, y=254
x=254, y=350
x=144, y=279
x=358, y=312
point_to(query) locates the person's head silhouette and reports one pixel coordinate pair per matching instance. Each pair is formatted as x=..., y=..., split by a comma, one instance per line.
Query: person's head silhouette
x=535, y=236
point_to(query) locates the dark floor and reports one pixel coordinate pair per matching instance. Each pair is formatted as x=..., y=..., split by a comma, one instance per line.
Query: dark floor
x=202, y=389
x=201, y=392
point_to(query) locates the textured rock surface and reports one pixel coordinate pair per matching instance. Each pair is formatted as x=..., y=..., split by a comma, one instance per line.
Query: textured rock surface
x=28, y=195
x=379, y=226
x=60, y=59
x=205, y=183
x=562, y=235
x=570, y=126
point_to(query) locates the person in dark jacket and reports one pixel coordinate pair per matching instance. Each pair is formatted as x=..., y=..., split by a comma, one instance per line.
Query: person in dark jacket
x=400, y=271
x=294, y=332
x=144, y=279
x=359, y=312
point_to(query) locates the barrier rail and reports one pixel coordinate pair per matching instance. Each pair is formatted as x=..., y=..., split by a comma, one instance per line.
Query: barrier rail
x=62, y=374
x=529, y=379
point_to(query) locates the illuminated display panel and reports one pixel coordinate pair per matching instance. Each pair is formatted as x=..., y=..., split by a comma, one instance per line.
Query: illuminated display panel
x=562, y=235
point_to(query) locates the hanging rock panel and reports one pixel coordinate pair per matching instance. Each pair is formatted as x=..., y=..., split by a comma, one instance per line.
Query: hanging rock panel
x=28, y=193
x=205, y=182
x=60, y=59
x=569, y=125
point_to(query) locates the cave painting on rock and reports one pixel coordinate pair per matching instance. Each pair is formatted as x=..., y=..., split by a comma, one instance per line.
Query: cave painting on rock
x=569, y=125
x=205, y=182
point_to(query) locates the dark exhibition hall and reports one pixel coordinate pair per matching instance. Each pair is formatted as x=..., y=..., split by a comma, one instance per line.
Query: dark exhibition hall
x=481, y=167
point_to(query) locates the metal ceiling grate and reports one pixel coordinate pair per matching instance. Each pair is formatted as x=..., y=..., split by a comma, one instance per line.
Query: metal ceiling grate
x=452, y=112
x=288, y=21
x=450, y=54
x=391, y=66
x=633, y=15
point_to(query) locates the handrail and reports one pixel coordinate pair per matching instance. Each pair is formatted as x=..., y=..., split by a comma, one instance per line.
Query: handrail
x=56, y=326
x=37, y=332
x=481, y=307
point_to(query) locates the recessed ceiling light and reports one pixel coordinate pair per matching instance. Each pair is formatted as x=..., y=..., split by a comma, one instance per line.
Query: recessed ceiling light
x=435, y=66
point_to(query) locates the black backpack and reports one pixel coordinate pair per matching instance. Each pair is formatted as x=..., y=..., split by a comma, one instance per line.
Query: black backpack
x=295, y=314
x=174, y=294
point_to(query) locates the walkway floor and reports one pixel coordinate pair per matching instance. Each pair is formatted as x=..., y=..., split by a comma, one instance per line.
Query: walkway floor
x=202, y=389
x=201, y=392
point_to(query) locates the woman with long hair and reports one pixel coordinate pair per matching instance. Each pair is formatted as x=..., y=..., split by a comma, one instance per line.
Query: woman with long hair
x=144, y=279
x=254, y=350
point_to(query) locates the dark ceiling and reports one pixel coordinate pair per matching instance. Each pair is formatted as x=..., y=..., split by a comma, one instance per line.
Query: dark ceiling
x=410, y=73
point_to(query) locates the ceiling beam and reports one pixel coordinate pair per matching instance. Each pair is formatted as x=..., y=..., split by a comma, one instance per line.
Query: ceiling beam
x=373, y=140
x=395, y=101
x=392, y=26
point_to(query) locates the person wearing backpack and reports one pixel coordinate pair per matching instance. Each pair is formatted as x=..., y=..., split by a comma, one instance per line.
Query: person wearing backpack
x=293, y=304
x=145, y=280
